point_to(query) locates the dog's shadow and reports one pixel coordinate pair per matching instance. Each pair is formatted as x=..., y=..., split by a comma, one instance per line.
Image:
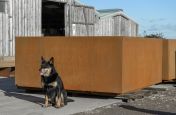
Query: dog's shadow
x=30, y=98
x=7, y=85
x=33, y=99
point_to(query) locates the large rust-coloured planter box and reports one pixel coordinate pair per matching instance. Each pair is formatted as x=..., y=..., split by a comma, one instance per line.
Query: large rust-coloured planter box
x=94, y=64
x=169, y=59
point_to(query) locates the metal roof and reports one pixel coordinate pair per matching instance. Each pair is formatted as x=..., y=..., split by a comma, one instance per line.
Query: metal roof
x=78, y=2
x=107, y=12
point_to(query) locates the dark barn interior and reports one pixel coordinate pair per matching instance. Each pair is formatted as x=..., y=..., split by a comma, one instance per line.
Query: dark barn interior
x=2, y=6
x=53, y=21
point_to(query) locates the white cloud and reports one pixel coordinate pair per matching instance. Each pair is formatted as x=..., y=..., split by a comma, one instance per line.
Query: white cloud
x=157, y=20
x=168, y=30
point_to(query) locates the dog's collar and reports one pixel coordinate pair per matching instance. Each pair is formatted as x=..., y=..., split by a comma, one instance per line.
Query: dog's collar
x=49, y=86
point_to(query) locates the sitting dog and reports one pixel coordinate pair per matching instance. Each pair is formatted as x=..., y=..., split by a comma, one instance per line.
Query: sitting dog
x=52, y=84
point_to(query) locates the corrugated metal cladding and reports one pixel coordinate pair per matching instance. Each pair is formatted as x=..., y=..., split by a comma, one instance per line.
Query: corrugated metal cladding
x=24, y=18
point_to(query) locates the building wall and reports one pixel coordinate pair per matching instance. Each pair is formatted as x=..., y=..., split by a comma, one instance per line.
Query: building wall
x=133, y=28
x=104, y=27
x=124, y=28
x=24, y=19
x=116, y=26
x=82, y=20
x=4, y=36
x=21, y=18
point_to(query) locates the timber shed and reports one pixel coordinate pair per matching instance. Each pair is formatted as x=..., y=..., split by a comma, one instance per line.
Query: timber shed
x=43, y=18
x=58, y=18
x=114, y=22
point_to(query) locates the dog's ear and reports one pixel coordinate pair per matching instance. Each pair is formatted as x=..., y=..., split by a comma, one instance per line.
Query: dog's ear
x=51, y=61
x=42, y=59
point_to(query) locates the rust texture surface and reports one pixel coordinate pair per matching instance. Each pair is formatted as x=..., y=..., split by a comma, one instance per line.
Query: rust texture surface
x=169, y=57
x=142, y=63
x=5, y=72
x=95, y=64
x=85, y=64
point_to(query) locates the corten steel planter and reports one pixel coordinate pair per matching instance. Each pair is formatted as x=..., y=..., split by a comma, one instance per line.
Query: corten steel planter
x=169, y=59
x=92, y=64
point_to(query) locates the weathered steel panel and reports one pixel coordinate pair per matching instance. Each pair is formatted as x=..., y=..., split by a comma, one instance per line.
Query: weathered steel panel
x=85, y=64
x=169, y=59
x=142, y=63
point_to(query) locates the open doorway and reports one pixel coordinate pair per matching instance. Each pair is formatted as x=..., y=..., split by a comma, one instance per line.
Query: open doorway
x=53, y=18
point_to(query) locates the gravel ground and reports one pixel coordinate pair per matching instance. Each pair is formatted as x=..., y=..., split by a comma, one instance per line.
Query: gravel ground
x=162, y=103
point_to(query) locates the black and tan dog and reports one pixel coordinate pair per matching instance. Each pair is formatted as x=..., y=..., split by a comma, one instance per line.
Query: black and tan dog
x=52, y=84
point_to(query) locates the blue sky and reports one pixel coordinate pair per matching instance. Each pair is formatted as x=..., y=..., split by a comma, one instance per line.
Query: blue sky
x=153, y=16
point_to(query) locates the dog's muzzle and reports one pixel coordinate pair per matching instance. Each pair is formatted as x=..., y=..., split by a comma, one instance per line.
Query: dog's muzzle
x=45, y=72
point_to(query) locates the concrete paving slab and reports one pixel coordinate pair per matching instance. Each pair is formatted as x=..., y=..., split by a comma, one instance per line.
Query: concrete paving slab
x=17, y=102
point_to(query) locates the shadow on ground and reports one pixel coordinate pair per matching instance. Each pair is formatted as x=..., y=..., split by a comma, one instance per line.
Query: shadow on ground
x=7, y=86
x=155, y=112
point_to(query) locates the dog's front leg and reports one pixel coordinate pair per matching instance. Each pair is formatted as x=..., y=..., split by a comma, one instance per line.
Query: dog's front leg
x=58, y=101
x=62, y=100
x=46, y=101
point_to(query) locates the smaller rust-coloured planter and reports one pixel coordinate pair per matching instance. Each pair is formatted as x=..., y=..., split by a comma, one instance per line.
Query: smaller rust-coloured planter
x=169, y=59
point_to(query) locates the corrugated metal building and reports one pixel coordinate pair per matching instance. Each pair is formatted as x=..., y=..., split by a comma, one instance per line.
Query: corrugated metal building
x=114, y=22
x=57, y=18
